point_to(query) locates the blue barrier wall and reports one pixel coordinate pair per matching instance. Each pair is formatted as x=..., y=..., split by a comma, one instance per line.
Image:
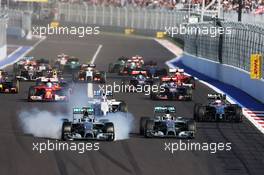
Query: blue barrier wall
x=227, y=74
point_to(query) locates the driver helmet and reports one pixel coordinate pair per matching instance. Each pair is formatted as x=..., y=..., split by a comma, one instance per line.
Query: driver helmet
x=171, y=83
x=140, y=76
x=218, y=102
x=49, y=84
x=167, y=116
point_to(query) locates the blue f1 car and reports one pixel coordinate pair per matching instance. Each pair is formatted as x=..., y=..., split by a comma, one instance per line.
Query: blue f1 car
x=85, y=126
x=218, y=109
x=164, y=123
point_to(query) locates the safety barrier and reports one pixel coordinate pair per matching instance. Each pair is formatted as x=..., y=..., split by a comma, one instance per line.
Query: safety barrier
x=3, y=47
x=19, y=23
x=233, y=47
x=231, y=75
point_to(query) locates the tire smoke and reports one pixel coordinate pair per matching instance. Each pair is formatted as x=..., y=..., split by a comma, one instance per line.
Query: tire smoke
x=42, y=124
x=123, y=124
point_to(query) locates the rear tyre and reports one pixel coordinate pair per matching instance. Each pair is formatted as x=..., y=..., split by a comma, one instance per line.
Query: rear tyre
x=109, y=129
x=192, y=81
x=195, y=111
x=190, y=94
x=238, y=114
x=123, y=107
x=142, y=125
x=31, y=92
x=192, y=127
x=66, y=130
x=149, y=128
x=201, y=113
x=16, y=85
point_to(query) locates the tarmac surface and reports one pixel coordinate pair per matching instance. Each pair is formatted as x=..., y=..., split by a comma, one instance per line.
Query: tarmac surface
x=136, y=155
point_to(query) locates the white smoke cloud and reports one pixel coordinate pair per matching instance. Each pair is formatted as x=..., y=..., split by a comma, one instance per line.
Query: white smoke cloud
x=48, y=125
x=41, y=123
x=123, y=124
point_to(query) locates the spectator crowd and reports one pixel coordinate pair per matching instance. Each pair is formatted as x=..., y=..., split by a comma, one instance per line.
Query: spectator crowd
x=249, y=6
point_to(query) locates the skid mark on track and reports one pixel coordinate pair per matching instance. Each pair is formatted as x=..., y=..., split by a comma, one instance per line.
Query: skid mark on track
x=233, y=151
x=131, y=159
x=80, y=168
x=60, y=164
x=115, y=162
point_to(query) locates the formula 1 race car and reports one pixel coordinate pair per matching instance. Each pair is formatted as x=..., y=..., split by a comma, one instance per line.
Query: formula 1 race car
x=164, y=123
x=107, y=104
x=136, y=62
x=153, y=70
x=182, y=77
x=170, y=89
x=218, y=109
x=88, y=73
x=43, y=64
x=61, y=60
x=6, y=85
x=118, y=65
x=23, y=63
x=139, y=78
x=72, y=64
x=86, y=126
x=48, y=91
x=29, y=73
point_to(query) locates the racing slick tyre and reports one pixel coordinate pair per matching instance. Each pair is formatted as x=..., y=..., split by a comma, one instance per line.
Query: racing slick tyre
x=31, y=92
x=190, y=94
x=153, y=96
x=201, y=113
x=238, y=114
x=142, y=124
x=149, y=128
x=16, y=85
x=109, y=129
x=66, y=130
x=110, y=68
x=192, y=127
x=123, y=107
x=192, y=81
x=195, y=111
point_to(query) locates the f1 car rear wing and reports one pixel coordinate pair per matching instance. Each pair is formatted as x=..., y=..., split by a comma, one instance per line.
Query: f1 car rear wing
x=164, y=79
x=28, y=58
x=82, y=110
x=45, y=79
x=176, y=70
x=173, y=70
x=164, y=109
x=62, y=55
x=137, y=72
x=217, y=96
x=99, y=93
x=89, y=65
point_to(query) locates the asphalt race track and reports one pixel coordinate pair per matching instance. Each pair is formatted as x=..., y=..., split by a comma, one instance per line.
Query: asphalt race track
x=136, y=155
